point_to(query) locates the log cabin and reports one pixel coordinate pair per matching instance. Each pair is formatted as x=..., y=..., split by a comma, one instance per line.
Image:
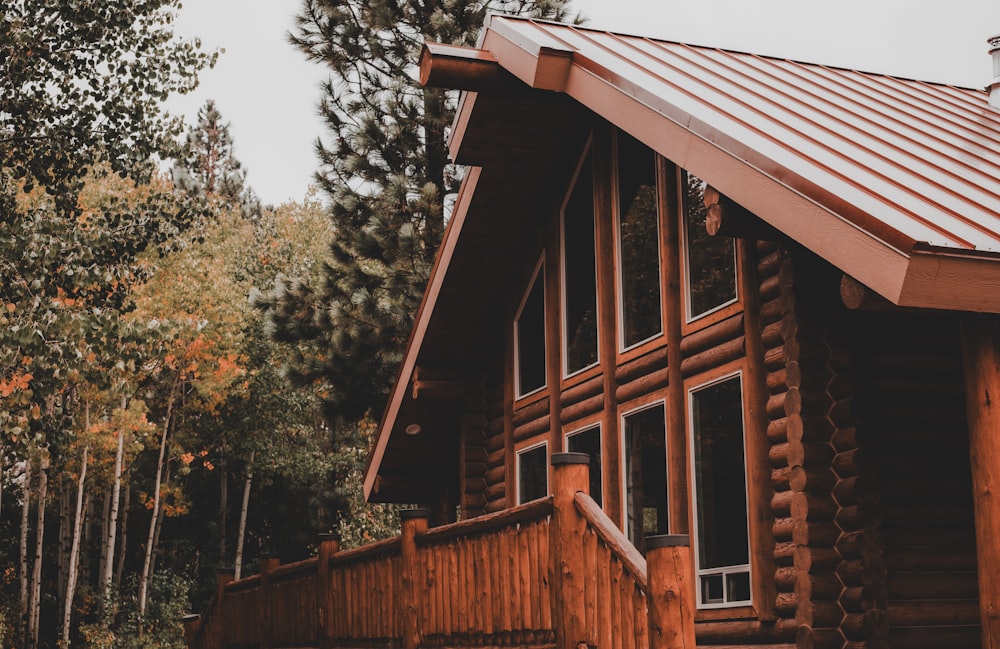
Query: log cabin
x=709, y=357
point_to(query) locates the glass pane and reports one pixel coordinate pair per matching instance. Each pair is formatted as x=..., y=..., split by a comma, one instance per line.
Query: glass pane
x=738, y=587
x=720, y=475
x=645, y=474
x=533, y=474
x=711, y=261
x=589, y=442
x=580, y=273
x=638, y=241
x=711, y=590
x=530, y=339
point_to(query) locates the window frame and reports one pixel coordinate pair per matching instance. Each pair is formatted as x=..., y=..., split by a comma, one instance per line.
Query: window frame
x=692, y=385
x=693, y=322
x=518, y=452
x=537, y=275
x=580, y=373
x=625, y=410
x=587, y=425
x=662, y=214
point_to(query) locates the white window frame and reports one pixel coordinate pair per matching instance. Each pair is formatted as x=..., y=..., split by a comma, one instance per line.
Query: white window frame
x=620, y=268
x=537, y=274
x=695, y=505
x=662, y=402
x=600, y=434
x=690, y=317
x=517, y=470
x=564, y=343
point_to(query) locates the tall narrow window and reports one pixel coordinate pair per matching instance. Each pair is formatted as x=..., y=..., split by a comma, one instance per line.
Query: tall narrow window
x=529, y=337
x=638, y=243
x=589, y=441
x=580, y=272
x=645, y=463
x=720, y=493
x=532, y=474
x=710, y=261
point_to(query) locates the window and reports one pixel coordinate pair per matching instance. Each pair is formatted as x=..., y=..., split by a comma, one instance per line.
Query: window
x=644, y=454
x=529, y=336
x=588, y=441
x=579, y=272
x=722, y=534
x=638, y=243
x=710, y=262
x=532, y=473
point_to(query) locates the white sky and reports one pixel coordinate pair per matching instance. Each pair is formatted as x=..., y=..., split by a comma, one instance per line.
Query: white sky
x=269, y=92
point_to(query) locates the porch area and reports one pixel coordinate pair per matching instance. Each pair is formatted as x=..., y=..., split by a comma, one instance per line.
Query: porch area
x=552, y=573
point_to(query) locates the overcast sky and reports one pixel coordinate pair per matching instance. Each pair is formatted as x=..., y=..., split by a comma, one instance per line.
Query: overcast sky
x=268, y=91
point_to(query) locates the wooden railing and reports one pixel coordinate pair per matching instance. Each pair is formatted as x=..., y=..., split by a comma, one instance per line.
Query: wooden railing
x=549, y=574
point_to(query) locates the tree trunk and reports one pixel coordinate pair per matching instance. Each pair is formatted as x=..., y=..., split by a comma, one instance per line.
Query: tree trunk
x=243, y=518
x=25, y=519
x=65, y=532
x=34, y=604
x=74, y=552
x=103, y=559
x=147, y=560
x=113, y=517
x=123, y=532
x=159, y=524
x=223, y=505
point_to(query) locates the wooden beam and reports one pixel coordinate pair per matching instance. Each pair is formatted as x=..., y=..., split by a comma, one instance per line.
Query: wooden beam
x=728, y=219
x=980, y=337
x=462, y=68
x=858, y=297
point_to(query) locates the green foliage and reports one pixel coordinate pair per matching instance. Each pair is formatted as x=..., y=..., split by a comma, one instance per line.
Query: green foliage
x=159, y=628
x=83, y=82
x=385, y=172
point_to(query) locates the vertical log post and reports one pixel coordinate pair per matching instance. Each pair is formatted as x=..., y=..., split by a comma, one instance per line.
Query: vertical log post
x=220, y=620
x=267, y=566
x=671, y=594
x=413, y=521
x=192, y=623
x=981, y=362
x=329, y=545
x=570, y=474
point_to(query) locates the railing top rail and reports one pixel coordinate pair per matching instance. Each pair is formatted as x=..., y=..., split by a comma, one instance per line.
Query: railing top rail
x=296, y=569
x=529, y=512
x=385, y=546
x=247, y=583
x=613, y=537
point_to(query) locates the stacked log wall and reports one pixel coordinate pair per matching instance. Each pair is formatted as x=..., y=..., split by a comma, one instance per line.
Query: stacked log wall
x=912, y=429
x=494, y=492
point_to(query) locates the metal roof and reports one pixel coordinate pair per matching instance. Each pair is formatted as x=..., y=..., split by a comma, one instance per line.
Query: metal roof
x=912, y=167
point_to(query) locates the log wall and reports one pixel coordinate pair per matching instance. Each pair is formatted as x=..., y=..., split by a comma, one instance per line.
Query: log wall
x=912, y=429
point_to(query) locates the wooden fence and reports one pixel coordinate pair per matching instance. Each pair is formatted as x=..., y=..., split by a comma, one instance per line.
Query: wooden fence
x=548, y=574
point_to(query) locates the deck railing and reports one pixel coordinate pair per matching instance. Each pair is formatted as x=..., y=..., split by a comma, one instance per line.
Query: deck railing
x=548, y=574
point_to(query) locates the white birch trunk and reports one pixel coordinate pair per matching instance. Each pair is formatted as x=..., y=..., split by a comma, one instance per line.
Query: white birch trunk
x=113, y=518
x=147, y=560
x=74, y=552
x=25, y=520
x=123, y=531
x=36, y=569
x=238, y=567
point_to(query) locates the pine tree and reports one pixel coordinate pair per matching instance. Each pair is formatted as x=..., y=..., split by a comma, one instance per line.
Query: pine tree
x=385, y=171
x=208, y=165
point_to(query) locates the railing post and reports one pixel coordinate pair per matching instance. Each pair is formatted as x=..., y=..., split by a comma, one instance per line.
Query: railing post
x=329, y=545
x=267, y=566
x=191, y=624
x=570, y=474
x=413, y=521
x=220, y=621
x=671, y=592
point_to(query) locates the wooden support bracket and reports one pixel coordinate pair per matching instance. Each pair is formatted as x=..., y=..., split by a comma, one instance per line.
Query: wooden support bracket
x=858, y=297
x=728, y=219
x=463, y=68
